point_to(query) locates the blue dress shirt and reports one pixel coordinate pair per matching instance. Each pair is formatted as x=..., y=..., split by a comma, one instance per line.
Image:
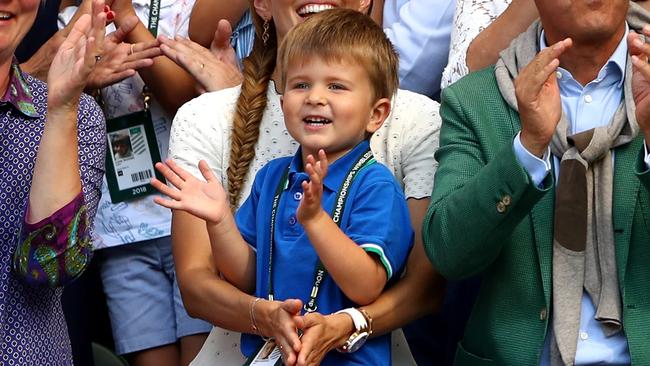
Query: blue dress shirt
x=585, y=108
x=421, y=32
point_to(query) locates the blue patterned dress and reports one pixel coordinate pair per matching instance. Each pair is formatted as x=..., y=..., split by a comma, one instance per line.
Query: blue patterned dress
x=32, y=326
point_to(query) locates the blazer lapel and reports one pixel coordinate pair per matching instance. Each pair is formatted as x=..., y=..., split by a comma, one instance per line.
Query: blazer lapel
x=626, y=190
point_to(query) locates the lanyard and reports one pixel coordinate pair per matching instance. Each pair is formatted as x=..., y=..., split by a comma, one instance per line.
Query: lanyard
x=154, y=16
x=339, y=205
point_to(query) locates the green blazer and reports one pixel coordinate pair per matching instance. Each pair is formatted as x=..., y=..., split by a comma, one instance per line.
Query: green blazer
x=487, y=217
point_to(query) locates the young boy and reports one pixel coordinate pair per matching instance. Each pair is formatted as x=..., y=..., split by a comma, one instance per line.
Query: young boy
x=327, y=226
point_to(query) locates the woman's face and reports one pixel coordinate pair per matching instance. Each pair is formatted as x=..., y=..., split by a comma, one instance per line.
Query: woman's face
x=16, y=17
x=287, y=13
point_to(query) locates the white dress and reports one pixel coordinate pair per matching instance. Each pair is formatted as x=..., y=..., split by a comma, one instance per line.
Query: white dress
x=472, y=16
x=405, y=143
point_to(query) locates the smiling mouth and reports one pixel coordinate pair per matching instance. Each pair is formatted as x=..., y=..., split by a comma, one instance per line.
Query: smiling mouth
x=311, y=9
x=5, y=16
x=311, y=121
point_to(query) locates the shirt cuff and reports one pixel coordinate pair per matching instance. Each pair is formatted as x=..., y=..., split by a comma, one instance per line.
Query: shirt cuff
x=57, y=249
x=647, y=155
x=537, y=168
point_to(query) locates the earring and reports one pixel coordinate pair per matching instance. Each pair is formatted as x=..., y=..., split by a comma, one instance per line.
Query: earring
x=265, y=31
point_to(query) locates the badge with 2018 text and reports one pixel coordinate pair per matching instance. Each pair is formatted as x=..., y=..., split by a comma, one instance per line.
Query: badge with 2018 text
x=131, y=155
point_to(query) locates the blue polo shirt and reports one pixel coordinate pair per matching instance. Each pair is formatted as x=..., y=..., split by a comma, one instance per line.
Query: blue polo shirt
x=375, y=217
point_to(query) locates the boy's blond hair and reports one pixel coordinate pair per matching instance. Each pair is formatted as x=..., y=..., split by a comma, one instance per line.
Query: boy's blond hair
x=344, y=35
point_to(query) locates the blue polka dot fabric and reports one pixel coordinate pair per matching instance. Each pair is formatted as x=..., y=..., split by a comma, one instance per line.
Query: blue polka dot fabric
x=32, y=326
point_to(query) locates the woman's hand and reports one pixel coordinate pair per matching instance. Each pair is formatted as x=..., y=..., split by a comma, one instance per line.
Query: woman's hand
x=206, y=200
x=213, y=69
x=76, y=59
x=310, y=206
x=278, y=319
x=121, y=60
x=321, y=334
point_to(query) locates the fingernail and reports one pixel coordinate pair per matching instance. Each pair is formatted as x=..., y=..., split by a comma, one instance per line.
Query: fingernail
x=638, y=42
x=110, y=15
x=107, y=8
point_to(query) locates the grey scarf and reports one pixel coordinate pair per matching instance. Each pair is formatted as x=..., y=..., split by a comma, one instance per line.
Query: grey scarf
x=583, y=246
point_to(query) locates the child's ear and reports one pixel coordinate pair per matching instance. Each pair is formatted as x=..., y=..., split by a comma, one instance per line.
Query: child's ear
x=263, y=8
x=378, y=115
x=364, y=6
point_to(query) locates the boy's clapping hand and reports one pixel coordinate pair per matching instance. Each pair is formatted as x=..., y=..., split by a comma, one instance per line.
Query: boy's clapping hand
x=206, y=200
x=310, y=206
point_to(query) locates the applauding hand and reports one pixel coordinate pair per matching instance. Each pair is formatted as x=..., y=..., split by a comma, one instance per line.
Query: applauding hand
x=213, y=69
x=538, y=98
x=76, y=58
x=206, y=200
x=310, y=206
x=121, y=60
x=640, y=52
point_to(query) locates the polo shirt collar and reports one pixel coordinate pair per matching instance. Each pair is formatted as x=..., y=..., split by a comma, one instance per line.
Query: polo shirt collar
x=18, y=94
x=337, y=171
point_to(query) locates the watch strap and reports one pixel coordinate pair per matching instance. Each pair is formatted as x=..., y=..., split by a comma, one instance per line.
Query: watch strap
x=358, y=319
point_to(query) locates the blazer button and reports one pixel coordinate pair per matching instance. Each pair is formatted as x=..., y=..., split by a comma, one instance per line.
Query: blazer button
x=543, y=314
x=501, y=207
x=507, y=200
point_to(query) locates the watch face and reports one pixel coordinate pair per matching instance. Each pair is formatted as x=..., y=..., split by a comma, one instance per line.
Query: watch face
x=357, y=342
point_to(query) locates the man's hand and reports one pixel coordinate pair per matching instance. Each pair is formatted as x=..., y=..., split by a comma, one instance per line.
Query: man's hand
x=640, y=52
x=538, y=98
x=213, y=69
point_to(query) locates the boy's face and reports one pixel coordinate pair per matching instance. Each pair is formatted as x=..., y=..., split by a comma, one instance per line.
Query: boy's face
x=330, y=106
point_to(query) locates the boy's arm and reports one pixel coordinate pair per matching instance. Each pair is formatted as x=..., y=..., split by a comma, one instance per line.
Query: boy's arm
x=360, y=276
x=233, y=257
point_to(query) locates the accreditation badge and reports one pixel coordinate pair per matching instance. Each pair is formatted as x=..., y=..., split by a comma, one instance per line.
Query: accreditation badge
x=267, y=355
x=131, y=155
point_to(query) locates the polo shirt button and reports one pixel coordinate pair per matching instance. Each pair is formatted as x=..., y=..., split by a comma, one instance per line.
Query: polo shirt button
x=588, y=99
x=543, y=314
x=297, y=196
x=584, y=336
x=292, y=220
x=501, y=207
